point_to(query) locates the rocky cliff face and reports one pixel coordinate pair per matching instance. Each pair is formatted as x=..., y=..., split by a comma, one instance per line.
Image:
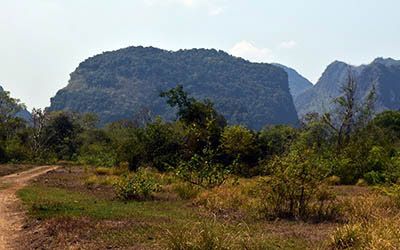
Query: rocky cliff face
x=297, y=83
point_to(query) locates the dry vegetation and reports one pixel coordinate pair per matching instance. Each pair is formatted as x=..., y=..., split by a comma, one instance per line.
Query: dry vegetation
x=78, y=207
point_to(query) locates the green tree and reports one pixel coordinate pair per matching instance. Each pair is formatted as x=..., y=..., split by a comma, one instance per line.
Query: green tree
x=202, y=120
x=62, y=135
x=239, y=145
x=13, y=130
x=276, y=140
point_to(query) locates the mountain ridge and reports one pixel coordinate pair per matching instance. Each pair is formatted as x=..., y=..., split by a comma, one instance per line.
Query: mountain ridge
x=118, y=84
x=382, y=72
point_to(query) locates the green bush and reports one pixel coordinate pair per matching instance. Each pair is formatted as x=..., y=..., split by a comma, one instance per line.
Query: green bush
x=374, y=178
x=203, y=170
x=296, y=186
x=137, y=186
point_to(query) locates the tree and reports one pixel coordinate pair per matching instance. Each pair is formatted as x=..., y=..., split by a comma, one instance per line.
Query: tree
x=9, y=106
x=163, y=143
x=350, y=113
x=239, y=145
x=389, y=121
x=13, y=137
x=204, y=123
x=238, y=141
x=39, y=139
x=61, y=132
x=192, y=111
x=276, y=140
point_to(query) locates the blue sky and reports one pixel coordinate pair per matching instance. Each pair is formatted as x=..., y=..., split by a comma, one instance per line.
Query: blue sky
x=43, y=41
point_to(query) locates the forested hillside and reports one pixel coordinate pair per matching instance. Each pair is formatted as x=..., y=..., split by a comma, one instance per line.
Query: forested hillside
x=125, y=84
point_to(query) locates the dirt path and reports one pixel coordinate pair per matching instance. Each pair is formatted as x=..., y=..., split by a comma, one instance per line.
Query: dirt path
x=11, y=216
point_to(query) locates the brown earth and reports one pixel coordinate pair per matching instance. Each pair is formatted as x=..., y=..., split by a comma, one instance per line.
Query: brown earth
x=11, y=214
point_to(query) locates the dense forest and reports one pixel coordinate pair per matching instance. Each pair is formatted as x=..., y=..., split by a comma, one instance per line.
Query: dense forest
x=351, y=142
x=125, y=83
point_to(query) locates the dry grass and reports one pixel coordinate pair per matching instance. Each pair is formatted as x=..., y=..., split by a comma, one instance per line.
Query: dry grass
x=373, y=223
x=77, y=208
x=235, y=199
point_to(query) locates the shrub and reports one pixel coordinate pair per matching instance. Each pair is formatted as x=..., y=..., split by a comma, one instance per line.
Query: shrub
x=203, y=171
x=374, y=178
x=138, y=186
x=292, y=189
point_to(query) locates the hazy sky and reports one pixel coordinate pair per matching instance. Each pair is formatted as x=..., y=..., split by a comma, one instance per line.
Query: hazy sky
x=43, y=41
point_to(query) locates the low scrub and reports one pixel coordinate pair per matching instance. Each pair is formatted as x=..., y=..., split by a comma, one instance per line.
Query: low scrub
x=296, y=189
x=137, y=186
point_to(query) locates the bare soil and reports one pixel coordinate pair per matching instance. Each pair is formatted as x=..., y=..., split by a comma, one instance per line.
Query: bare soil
x=7, y=169
x=11, y=214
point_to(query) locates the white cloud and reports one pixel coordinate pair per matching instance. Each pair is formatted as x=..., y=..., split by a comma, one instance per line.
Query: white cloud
x=287, y=44
x=249, y=51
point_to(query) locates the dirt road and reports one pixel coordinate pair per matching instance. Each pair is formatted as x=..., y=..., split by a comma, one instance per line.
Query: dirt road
x=11, y=215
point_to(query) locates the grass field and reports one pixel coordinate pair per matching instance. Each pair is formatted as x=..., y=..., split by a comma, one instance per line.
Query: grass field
x=65, y=209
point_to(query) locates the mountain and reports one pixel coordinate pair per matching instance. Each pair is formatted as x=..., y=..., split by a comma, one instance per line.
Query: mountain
x=383, y=73
x=24, y=114
x=121, y=84
x=297, y=83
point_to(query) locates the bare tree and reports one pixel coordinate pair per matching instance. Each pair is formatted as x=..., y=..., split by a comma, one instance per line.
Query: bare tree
x=350, y=114
x=39, y=120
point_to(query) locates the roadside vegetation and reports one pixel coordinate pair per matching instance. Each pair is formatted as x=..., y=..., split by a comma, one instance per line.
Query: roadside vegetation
x=199, y=183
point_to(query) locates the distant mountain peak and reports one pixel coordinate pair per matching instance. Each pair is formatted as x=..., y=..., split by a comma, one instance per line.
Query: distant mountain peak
x=384, y=73
x=386, y=61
